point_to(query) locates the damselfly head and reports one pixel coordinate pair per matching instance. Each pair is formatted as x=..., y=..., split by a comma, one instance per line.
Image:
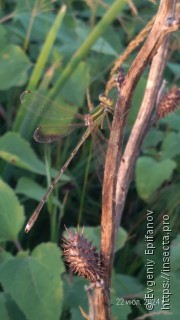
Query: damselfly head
x=105, y=100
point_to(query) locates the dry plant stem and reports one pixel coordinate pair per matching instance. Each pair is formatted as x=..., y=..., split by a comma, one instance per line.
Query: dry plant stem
x=91, y=304
x=141, y=126
x=108, y=221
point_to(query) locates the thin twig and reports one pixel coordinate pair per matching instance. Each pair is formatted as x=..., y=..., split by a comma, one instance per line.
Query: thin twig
x=18, y=245
x=6, y=18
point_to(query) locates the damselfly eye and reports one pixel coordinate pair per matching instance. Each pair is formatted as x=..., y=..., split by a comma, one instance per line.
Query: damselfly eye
x=105, y=100
x=109, y=102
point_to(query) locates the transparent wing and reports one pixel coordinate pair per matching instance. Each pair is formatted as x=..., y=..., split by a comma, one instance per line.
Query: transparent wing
x=48, y=134
x=100, y=144
x=99, y=147
x=44, y=107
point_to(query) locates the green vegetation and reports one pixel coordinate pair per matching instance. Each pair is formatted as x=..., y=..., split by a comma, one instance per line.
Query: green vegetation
x=65, y=52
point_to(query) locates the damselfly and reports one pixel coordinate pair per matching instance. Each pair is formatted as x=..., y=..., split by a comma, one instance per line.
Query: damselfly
x=41, y=105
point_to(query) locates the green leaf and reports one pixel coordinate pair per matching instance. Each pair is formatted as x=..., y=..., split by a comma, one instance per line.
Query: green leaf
x=17, y=151
x=32, y=189
x=71, y=298
x=34, y=282
x=153, y=137
x=11, y=214
x=123, y=286
x=121, y=238
x=12, y=308
x=174, y=67
x=5, y=256
x=172, y=120
x=3, y=308
x=150, y=174
x=34, y=7
x=74, y=89
x=29, y=188
x=171, y=145
x=3, y=36
x=13, y=59
x=49, y=254
x=168, y=198
x=94, y=234
x=116, y=304
x=137, y=99
x=9, y=309
x=102, y=46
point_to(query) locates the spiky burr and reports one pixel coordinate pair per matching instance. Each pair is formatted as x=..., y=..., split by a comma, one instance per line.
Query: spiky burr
x=169, y=102
x=82, y=257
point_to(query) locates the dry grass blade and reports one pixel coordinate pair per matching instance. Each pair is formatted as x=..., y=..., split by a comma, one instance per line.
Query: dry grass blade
x=130, y=48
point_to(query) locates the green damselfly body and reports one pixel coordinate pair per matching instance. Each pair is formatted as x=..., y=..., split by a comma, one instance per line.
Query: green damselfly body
x=46, y=134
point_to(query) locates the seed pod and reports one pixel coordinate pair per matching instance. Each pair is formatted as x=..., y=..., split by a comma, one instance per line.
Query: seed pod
x=82, y=257
x=169, y=102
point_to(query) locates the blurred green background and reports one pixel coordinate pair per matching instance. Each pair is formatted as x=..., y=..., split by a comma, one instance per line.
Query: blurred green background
x=66, y=52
